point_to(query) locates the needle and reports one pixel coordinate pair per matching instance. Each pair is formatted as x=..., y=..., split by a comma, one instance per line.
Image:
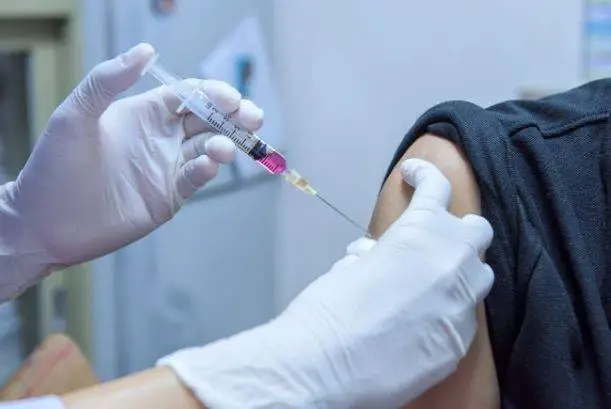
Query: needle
x=301, y=184
x=355, y=224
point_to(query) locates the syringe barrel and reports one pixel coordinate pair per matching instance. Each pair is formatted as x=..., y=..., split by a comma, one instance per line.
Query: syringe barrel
x=159, y=72
x=177, y=85
x=193, y=98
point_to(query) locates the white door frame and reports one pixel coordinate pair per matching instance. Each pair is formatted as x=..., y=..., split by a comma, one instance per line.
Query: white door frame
x=48, y=31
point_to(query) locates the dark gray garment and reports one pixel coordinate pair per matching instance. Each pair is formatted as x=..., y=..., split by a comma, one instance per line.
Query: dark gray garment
x=543, y=172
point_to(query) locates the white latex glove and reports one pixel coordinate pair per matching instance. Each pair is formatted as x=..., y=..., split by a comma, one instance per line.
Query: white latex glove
x=386, y=323
x=104, y=173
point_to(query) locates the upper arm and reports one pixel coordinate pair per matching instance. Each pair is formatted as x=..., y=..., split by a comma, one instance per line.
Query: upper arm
x=473, y=385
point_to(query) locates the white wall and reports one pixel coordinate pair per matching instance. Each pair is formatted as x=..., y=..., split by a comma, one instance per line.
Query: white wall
x=355, y=74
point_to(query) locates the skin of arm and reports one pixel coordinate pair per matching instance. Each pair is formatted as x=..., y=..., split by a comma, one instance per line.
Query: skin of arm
x=474, y=384
x=156, y=388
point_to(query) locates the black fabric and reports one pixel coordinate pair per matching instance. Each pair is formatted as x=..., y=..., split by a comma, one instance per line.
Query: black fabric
x=543, y=170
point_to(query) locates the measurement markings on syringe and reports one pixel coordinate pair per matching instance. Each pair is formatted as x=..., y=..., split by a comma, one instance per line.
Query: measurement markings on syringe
x=222, y=123
x=245, y=140
x=215, y=122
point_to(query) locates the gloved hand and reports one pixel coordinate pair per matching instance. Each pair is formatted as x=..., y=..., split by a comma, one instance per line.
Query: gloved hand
x=104, y=173
x=387, y=322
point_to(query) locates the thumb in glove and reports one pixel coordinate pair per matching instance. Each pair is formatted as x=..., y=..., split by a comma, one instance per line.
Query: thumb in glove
x=108, y=79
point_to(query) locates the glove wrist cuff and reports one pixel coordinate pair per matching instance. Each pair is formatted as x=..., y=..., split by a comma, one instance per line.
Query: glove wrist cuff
x=22, y=262
x=271, y=366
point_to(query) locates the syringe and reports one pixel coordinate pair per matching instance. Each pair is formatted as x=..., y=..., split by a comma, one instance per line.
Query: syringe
x=248, y=142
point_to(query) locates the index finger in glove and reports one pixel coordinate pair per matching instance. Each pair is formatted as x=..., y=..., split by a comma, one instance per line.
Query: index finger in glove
x=478, y=232
x=360, y=246
x=478, y=279
x=354, y=251
x=223, y=95
x=226, y=98
x=432, y=188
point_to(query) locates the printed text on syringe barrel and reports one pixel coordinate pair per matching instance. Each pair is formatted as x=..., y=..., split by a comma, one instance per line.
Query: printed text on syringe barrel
x=247, y=142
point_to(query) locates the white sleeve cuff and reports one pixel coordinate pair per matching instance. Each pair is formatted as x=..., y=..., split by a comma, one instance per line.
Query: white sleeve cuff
x=45, y=402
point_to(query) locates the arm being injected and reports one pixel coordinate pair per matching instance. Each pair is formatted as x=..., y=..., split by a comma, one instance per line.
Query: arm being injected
x=196, y=101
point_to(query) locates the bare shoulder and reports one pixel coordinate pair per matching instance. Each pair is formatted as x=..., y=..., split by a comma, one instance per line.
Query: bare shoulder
x=396, y=194
x=474, y=384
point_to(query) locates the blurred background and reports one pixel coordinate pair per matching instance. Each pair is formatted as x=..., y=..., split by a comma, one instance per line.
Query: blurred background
x=341, y=82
